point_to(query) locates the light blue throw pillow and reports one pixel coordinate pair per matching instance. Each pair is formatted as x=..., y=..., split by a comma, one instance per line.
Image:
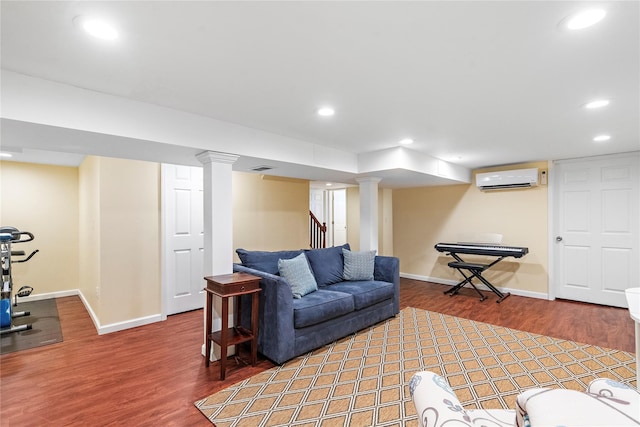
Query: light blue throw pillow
x=298, y=275
x=358, y=265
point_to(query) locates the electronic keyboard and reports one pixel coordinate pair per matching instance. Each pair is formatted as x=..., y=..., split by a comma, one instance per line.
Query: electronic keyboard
x=482, y=249
x=472, y=270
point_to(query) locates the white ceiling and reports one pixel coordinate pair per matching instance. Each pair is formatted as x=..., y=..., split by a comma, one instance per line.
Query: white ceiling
x=476, y=83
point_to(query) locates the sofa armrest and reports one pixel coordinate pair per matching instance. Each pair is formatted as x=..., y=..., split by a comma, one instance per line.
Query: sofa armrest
x=596, y=407
x=275, y=329
x=618, y=395
x=435, y=402
x=387, y=269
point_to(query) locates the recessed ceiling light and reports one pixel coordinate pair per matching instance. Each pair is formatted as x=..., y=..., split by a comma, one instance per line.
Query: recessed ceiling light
x=597, y=104
x=602, y=138
x=328, y=184
x=96, y=27
x=406, y=141
x=326, y=111
x=6, y=155
x=585, y=19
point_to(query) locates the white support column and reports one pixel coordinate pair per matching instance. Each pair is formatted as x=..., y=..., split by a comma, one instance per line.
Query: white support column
x=218, y=222
x=218, y=212
x=368, y=213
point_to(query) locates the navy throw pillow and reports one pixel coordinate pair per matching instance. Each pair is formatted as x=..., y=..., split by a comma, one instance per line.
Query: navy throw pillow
x=265, y=261
x=327, y=264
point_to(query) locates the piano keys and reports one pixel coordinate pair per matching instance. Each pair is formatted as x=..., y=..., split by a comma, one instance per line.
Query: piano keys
x=482, y=249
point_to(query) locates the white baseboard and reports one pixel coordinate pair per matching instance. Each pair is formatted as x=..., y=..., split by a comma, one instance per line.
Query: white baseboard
x=49, y=295
x=212, y=356
x=118, y=326
x=101, y=329
x=519, y=292
x=92, y=313
x=428, y=279
x=128, y=324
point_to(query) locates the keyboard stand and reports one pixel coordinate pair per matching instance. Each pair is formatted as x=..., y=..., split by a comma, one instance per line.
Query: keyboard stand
x=475, y=270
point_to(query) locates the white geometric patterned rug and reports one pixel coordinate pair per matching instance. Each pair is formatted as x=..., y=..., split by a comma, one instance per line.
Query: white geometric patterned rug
x=362, y=380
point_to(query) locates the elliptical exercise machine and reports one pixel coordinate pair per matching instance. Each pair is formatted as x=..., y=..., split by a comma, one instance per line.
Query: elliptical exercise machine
x=9, y=236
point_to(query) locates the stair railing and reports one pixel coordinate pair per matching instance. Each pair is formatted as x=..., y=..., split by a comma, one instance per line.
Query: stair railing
x=317, y=232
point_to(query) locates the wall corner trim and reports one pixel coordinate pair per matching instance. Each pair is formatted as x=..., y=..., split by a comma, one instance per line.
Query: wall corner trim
x=101, y=329
x=128, y=324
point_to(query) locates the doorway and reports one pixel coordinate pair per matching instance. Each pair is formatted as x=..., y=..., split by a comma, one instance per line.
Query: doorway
x=337, y=217
x=330, y=207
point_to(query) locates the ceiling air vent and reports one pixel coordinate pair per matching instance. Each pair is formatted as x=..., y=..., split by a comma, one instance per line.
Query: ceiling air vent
x=261, y=168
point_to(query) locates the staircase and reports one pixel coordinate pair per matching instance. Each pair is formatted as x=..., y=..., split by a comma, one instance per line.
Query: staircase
x=317, y=232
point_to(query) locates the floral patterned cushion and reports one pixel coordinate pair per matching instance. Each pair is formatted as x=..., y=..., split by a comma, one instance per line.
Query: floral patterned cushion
x=604, y=403
x=437, y=405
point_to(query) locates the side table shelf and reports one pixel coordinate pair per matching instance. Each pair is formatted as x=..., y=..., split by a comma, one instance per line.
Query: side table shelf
x=231, y=286
x=235, y=335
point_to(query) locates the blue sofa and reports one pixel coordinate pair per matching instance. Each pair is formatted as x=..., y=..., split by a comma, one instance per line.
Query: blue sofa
x=289, y=326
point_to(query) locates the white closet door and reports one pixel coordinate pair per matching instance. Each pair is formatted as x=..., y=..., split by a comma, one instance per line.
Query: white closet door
x=597, y=238
x=183, y=238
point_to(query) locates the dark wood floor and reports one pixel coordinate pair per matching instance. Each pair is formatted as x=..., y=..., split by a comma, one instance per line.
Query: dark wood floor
x=151, y=375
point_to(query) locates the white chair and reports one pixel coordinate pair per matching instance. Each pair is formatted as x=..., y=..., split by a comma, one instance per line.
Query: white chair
x=605, y=403
x=437, y=405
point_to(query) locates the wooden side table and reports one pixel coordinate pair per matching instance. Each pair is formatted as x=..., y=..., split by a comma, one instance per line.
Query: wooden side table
x=227, y=286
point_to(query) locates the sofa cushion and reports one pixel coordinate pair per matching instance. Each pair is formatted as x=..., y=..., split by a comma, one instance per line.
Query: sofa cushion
x=265, y=261
x=298, y=275
x=358, y=265
x=320, y=306
x=563, y=407
x=327, y=264
x=365, y=293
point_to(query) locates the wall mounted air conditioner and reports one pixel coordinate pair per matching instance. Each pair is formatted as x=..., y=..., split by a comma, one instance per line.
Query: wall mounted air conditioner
x=502, y=180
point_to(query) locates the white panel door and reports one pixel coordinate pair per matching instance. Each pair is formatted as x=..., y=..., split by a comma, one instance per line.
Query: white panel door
x=316, y=203
x=183, y=238
x=339, y=217
x=597, y=243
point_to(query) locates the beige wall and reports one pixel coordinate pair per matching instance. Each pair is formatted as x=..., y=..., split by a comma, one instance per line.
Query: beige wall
x=89, y=231
x=43, y=200
x=270, y=213
x=428, y=215
x=385, y=222
x=104, y=218
x=98, y=227
x=120, y=238
x=353, y=218
x=101, y=228
x=129, y=240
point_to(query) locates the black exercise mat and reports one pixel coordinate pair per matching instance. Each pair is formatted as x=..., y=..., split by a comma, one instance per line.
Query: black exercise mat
x=45, y=324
